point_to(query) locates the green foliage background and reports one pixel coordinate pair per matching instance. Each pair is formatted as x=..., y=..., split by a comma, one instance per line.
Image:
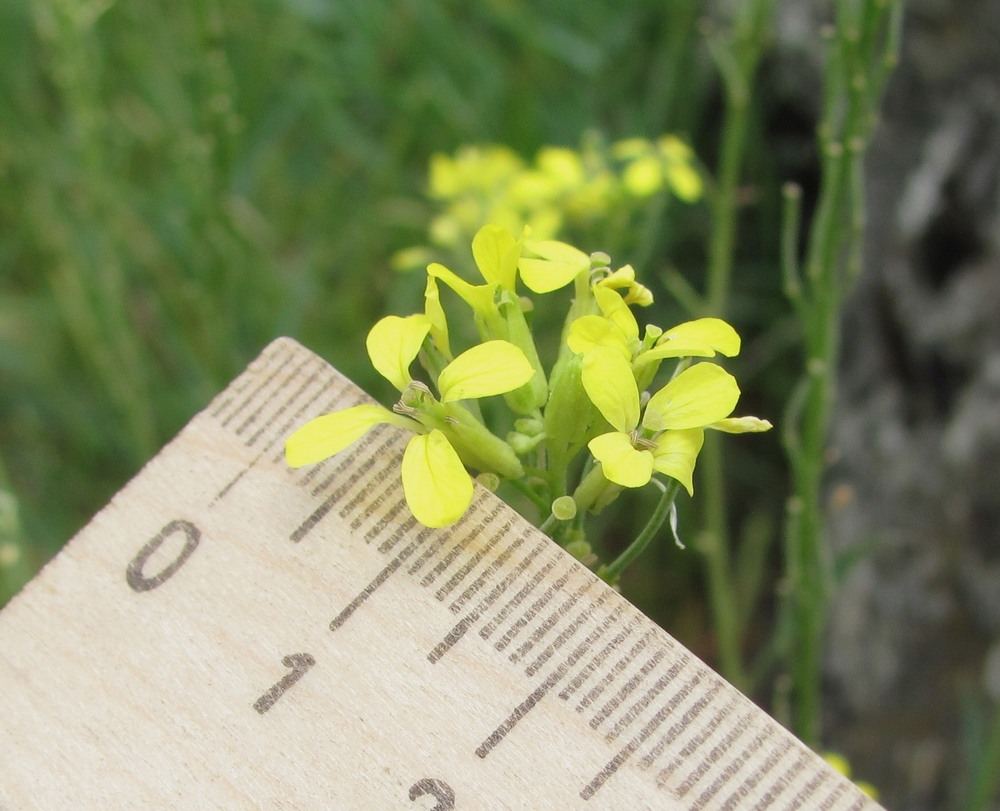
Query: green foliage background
x=182, y=183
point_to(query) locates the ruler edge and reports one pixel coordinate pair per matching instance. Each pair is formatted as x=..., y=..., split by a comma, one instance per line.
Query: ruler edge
x=485, y=500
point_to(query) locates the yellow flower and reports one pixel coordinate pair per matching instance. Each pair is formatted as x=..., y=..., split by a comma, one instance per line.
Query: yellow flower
x=436, y=484
x=616, y=328
x=649, y=166
x=496, y=252
x=698, y=397
x=544, y=265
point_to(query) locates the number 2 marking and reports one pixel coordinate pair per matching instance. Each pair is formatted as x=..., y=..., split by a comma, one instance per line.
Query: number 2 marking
x=439, y=789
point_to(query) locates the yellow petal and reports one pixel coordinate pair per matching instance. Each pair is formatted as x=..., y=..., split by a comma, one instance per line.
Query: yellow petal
x=698, y=396
x=393, y=343
x=616, y=310
x=592, y=331
x=620, y=462
x=623, y=277
x=675, y=454
x=324, y=436
x=496, y=253
x=741, y=425
x=632, y=292
x=436, y=484
x=562, y=165
x=478, y=297
x=554, y=265
x=684, y=181
x=435, y=314
x=677, y=349
x=714, y=332
x=494, y=367
x=608, y=381
x=643, y=176
x=630, y=148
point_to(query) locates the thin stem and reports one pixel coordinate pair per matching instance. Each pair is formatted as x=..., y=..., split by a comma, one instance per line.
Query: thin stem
x=548, y=524
x=532, y=495
x=737, y=60
x=987, y=777
x=855, y=71
x=612, y=572
x=713, y=544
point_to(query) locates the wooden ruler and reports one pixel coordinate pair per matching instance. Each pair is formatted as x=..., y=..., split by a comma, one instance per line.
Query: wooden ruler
x=231, y=633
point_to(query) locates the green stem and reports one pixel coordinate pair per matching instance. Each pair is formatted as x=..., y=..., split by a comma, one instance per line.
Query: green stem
x=612, y=572
x=724, y=205
x=855, y=70
x=715, y=548
x=987, y=777
x=737, y=61
x=548, y=524
x=532, y=495
x=590, y=489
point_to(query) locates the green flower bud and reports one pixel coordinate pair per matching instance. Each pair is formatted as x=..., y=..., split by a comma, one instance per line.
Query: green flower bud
x=564, y=508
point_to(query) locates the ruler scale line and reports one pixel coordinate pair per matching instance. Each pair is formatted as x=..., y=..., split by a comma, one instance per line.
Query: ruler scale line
x=566, y=635
x=742, y=792
x=549, y=623
x=289, y=403
x=735, y=765
x=487, y=576
x=519, y=714
x=391, y=568
x=277, y=369
x=608, y=678
x=686, y=720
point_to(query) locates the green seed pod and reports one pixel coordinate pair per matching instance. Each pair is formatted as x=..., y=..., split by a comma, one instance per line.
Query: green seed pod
x=477, y=446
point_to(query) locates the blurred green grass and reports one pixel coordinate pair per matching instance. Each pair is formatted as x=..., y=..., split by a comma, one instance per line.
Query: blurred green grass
x=182, y=183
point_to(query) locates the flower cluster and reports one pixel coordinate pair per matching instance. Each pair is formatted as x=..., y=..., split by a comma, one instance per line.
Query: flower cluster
x=581, y=428
x=562, y=188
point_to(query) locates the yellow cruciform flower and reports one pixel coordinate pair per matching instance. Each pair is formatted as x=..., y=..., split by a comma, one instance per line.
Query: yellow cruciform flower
x=699, y=396
x=436, y=484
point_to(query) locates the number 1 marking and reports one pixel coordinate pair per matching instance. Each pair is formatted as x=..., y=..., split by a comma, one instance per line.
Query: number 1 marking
x=299, y=663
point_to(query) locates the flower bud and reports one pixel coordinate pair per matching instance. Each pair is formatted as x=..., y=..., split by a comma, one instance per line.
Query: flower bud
x=564, y=508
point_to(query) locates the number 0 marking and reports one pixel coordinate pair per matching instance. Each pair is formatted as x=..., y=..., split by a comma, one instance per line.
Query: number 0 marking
x=299, y=663
x=133, y=574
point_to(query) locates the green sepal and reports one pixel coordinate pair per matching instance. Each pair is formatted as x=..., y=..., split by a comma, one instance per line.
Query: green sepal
x=569, y=415
x=530, y=397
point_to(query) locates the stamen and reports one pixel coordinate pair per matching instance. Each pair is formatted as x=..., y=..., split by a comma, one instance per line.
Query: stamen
x=640, y=443
x=599, y=274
